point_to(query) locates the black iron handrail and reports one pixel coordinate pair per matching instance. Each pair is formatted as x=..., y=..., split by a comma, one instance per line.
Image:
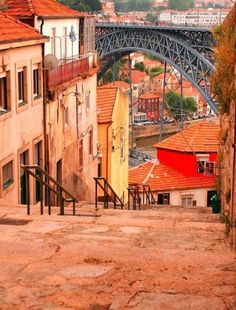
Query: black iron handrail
x=148, y=197
x=105, y=186
x=133, y=192
x=44, y=178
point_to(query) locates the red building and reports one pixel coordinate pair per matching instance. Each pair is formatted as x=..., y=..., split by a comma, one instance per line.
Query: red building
x=193, y=151
x=184, y=173
x=149, y=104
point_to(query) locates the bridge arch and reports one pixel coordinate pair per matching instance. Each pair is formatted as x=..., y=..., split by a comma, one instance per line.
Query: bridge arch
x=193, y=65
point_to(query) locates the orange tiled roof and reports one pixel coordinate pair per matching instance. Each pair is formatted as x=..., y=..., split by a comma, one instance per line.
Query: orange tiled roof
x=119, y=84
x=20, y=8
x=161, y=177
x=13, y=30
x=200, y=137
x=149, y=96
x=106, y=98
x=137, y=76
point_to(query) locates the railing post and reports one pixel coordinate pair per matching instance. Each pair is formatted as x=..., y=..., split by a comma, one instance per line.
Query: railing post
x=73, y=207
x=27, y=191
x=128, y=199
x=106, y=195
x=62, y=209
x=115, y=203
x=49, y=201
x=41, y=190
x=96, y=195
x=61, y=202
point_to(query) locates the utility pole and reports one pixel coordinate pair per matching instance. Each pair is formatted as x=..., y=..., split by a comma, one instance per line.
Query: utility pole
x=131, y=104
x=163, y=103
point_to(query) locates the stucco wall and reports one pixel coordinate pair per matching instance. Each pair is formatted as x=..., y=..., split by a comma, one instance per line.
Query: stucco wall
x=22, y=127
x=64, y=139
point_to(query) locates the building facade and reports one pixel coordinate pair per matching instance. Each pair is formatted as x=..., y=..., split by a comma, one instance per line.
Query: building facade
x=70, y=77
x=114, y=138
x=21, y=108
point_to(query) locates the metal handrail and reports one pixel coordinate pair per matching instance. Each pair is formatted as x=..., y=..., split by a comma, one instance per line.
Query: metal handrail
x=105, y=189
x=45, y=183
x=148, y=194
x=133, y=191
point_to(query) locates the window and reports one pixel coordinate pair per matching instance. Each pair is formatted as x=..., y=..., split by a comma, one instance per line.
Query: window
x=122, y=155
x=7, y=175
x=53, y=41
x=66, y=117
x=36, y=81
x=206, y=167
x=210, y=167
x=200, y=166
x=87, y=101
x=187, y=201
x=81, y=153
x=22, y=90
x=65, y=43
x=90, y=142
x=163, y=199
x=4, y=101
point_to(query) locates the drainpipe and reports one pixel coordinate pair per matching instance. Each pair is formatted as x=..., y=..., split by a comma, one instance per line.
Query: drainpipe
x=46, y=157
x=107, y=148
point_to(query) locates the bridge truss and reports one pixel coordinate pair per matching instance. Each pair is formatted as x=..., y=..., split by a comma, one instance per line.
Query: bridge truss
x=188, y=50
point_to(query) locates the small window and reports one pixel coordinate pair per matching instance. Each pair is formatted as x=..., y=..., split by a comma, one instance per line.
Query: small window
x=4, y=100
x=187, y=201
x=122, y=155
x=210, y=168
x=200, y=166
x=90, y=142
x=66, y=117
x=81, y=153
x=36, y=84
x=22, y=90
x=7, y=175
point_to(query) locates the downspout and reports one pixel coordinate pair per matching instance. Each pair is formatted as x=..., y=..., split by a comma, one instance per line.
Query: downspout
x=107, y=148
x=46, y=160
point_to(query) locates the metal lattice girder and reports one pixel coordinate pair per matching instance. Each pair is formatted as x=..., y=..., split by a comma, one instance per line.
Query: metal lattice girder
x=188, y=61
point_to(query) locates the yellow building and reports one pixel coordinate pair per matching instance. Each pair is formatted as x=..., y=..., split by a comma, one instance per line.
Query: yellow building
x=113, y=133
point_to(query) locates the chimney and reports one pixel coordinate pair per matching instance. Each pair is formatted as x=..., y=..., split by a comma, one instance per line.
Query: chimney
x=3, y=5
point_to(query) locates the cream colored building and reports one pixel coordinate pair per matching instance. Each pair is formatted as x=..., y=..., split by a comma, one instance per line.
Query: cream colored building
x=21, y=107
x=113, y=127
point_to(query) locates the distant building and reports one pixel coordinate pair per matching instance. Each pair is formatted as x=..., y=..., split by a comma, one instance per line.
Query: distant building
x=193, y=17
x=184, y=172
x=108, y=8
x=113, y=126
x=148, y=103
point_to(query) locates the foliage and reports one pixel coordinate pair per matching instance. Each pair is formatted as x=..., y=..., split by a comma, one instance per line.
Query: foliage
x=113, y=73
x=173, y=101
x=151, y=17
x=155, y=71
x=180, y=4
x=131, y=5
x=223, y=82
x=83, y=5
x=140, y=66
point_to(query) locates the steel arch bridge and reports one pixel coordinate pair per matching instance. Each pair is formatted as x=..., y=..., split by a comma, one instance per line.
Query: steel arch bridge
x=189, y=50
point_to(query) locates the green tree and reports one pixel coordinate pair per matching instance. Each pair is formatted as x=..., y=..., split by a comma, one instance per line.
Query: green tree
x=131, y=5
x=180, y=4
x=140, y=66
x=151, y=17
x=83, y=5
x=173, y=101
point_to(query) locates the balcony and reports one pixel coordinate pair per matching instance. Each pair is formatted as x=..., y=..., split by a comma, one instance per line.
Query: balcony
x=68, y=71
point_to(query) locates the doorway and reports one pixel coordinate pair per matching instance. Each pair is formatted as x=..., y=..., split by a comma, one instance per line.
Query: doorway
x=38, y=161
x=210, y=194
x=24, y=160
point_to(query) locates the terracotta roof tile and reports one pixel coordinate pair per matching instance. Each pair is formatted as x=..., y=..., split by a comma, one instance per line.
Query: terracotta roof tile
x=161, y=177
x=200, y=137
x=137, y=76
x=40, y=8
x=106, y=98
x=119, y=84
x=13, y=30
x=149, y=96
